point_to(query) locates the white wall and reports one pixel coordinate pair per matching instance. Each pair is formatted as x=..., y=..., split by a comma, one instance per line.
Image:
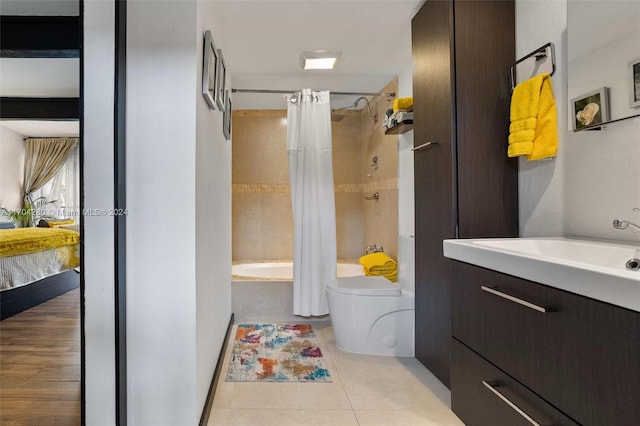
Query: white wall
x=98, y=268
x=603, y=167
x=603, y=180
x=213, y=218
x=11, y=167
x=179, y=222
x=406, y=212
x=595, y=176
x=161, y=198
x=541, y=183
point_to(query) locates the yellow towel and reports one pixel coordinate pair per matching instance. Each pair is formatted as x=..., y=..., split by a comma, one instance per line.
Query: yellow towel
x=379, y=264
x=377, y=261
x=391, y=277
x=402, y=103
x=534, y=129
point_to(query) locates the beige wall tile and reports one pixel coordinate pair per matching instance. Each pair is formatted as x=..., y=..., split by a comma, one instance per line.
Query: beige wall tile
x=380, y=217
x=261, y=184
x=273, y=150
x=376, y=143
x=349, y=225
x=381, y=222
x=282, y=113
x=276, y=230
x=243, y=153
x=347, y=149
x=259, y=152
x=246, y=219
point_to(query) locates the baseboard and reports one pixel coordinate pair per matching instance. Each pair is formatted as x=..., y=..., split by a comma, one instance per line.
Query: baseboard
x=206, y=411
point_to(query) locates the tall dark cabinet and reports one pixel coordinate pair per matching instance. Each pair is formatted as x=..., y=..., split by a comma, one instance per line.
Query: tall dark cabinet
x=465, y=186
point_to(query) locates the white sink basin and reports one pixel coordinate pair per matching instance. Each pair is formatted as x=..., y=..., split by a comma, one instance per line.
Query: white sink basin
x=590, y=268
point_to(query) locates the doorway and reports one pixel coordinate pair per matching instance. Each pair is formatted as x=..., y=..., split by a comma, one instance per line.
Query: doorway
x=41, y=338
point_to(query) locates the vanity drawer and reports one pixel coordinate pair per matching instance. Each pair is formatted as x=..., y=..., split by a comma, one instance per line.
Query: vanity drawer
x=482, y=394
x=579, y=354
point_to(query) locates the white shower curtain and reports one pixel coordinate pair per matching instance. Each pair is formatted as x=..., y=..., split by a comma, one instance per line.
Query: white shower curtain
x=312, y=198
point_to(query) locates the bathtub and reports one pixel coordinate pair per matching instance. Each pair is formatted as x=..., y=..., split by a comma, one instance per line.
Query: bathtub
x=284, y=270
x=264, y=291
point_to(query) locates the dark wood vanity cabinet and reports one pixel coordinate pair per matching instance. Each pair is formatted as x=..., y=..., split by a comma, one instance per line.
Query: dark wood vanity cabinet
x=483, y=394
x=578, y=355
x=465, y=186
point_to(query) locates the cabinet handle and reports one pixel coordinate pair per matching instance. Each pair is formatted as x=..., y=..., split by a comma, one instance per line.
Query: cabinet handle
x=492, y=387
x=424, y=145
x=514, y=299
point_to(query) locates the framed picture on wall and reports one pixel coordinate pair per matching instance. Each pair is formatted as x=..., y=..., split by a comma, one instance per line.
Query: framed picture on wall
x=221, y=82
x=226, y=122
x=590, y=109
x=634, y=81
x=209, y=71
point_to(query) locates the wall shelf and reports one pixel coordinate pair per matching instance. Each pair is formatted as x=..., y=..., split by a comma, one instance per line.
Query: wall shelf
x=600, y=126
x=400, y=128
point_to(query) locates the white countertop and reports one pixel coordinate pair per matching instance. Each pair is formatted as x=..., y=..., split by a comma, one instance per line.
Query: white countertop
x=590, y=268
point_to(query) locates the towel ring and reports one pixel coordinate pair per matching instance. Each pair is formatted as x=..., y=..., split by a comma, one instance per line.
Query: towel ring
x=540, y=53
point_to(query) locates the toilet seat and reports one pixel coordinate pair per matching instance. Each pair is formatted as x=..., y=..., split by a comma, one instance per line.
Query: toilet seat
x=364, y=286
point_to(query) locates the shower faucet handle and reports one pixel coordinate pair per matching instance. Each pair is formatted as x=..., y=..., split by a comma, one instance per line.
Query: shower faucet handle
x=373, y=249
x=375, y=196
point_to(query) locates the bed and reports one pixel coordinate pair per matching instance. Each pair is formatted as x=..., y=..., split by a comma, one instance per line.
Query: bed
x=36, y=264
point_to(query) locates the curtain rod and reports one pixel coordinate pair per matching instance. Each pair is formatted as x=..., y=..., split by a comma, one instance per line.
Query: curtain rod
x=51, y=137
x=285, y=92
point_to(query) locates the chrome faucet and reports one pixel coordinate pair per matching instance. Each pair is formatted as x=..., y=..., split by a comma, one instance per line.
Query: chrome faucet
x=373, y=249
x=623, y=224
x=634, y=263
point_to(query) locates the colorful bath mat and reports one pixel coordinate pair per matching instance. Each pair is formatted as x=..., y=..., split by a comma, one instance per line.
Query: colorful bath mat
x=276, y=353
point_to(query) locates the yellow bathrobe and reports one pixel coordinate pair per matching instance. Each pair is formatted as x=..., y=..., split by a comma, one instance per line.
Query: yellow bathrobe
x=534, y=129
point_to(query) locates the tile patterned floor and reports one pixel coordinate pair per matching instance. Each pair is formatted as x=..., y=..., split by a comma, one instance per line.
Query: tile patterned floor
x=366, y=391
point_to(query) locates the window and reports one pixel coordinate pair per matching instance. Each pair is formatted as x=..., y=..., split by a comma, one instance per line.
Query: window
x=64, y=188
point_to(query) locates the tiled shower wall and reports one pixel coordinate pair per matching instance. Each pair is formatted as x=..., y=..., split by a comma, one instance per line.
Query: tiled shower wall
x=262, y=218
x=262, y=224
x=380, y=216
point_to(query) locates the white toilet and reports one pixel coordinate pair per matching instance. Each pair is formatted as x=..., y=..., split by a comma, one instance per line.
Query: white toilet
x=371, y=316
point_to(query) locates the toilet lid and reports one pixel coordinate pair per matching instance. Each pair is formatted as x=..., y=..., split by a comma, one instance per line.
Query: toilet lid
x=364, y=286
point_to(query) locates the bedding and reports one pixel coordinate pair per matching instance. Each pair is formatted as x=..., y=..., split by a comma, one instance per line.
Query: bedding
x=14, y=242
x=30, y=254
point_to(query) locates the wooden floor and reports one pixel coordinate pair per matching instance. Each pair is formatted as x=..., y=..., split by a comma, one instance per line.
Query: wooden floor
x=40, y=364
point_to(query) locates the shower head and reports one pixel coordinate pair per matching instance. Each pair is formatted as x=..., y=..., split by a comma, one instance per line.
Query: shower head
x=374, y=116
x=355, y=105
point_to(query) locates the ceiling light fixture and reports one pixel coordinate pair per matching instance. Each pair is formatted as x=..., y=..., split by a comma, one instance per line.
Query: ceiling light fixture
x=319, y=60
